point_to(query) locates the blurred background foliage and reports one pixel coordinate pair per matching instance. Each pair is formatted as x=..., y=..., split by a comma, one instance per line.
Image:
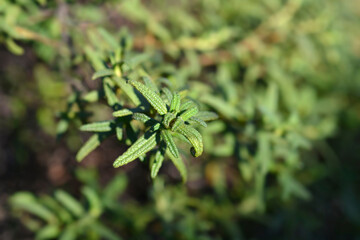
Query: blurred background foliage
x=281, y=162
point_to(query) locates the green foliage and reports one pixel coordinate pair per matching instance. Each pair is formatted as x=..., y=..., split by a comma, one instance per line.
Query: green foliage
x=280, y=78
x=64, y=217
x=168, y=119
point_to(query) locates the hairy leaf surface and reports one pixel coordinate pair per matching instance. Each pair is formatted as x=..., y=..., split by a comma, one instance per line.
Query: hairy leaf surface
x=194, y=137
x=140, y=147
x=166, y=136
x=153, y=98
x=104, y=126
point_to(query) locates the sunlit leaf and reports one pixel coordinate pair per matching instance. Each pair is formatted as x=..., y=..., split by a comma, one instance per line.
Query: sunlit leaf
x=166, y=136
x=175, y=103
x=153, y=98
x=93, y=142
x=103, y=73
x=189, y=113
x=156, y=165
x=194, y=137
x=140, y=147
x=122, y=113
x=104, y=126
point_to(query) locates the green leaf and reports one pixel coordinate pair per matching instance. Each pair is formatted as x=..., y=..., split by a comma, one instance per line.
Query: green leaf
x=62, y=127
x=179, y=164
x=155, y=167
x=69, y=233
x=122, y=113
x=188, y=104
x=169, y=117
x=147, y=120
x=93, y=142
x=54, y=206
x=103, y=73
x=166, y=136
x=104, y=126
x=119, y=133
x=104, y=231
x=14, y=47
x=108, y=37
x=142, y=117
x=147, y=80
x=115, y=188
x=70, y=203
x=94, y=58
x=221, y=106
x=140, y=147
x=127, y=89
x=110, y=95
x=178, y=122
x=198, y=121
x=48, y=232
x=189, y=113
x=139, y=58
x=207, y=116
x=26, y=201
x=92, y=96
x=194, y=137
x=95, y=206
x=168, y=94
x=175, y=103
x=153, y=98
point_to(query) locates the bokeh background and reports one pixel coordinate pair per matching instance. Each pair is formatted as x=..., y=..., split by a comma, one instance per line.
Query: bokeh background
x=281, y=162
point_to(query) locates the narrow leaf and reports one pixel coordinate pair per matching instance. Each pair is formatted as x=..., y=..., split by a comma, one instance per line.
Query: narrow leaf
x=92, y=96
x=166, y=136
x=147, y=80
x=178, y=122
x=26, y=201
x=103, y=73
x=207, y=116
x=105, y=232
x=155, y=167
x=175, y=103
x=69, y=233
x=90, y=145
x=194, y=137
x=141, y=117
x=188, y=104
x=113, y=189
x=189, y=113
x=127, y=89
x=169, y=117
x=55, y=207
x=140, y=147
x=122, y=113
x=198, y=121
x=153, y=98
x=110, y=95
x=95, y=206
x=104, y=126
x=48, y=232
x=119, y=133
x=179, y=164
x=108, y=37
x=70, y=203
x=168, y=94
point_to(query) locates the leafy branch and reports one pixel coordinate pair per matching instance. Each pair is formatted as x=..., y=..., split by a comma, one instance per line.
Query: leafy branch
x=165, y=115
